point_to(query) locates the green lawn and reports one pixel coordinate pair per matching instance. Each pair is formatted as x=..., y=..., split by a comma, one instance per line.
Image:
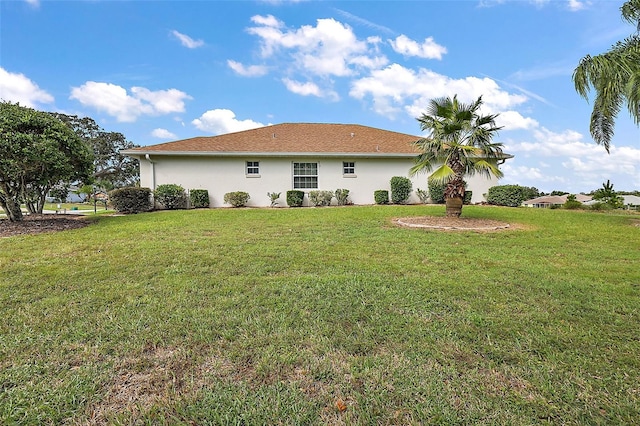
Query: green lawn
x=262, y=316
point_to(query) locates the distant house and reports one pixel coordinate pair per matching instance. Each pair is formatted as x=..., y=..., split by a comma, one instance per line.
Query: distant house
x=631, y=202
x=553, y=200
x=278, y=158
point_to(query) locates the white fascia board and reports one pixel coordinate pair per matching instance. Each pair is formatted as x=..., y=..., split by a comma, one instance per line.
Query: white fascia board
x=268, y=154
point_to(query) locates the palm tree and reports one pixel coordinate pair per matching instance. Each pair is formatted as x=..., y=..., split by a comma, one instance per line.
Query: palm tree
x=615, y=76
x=459, y=143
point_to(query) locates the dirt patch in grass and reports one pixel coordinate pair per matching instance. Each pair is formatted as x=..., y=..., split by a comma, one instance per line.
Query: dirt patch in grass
x=155, y=377
x=454, y=224
x=38, y=224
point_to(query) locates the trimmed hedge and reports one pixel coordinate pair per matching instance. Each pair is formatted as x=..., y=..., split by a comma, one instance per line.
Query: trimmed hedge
x=295, y=198
x=320, y=198
x=237, y=198
x=131, y=200
x=400, y=189
x=436, y=192
x=199, y=198
x=171, y=196
x=381, y=196
x=510, y=195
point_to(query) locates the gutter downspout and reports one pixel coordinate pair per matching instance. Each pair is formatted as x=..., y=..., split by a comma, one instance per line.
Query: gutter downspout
x=153, y=172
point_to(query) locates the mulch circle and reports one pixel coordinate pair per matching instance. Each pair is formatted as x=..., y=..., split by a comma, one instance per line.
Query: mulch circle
x=451, y=224
x=37, y=224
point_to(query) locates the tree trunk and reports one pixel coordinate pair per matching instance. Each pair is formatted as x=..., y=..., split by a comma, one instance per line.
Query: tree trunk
x=454, y=206
x=12, y=209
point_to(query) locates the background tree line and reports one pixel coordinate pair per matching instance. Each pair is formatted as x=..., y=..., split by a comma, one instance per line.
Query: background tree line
x=41, y=152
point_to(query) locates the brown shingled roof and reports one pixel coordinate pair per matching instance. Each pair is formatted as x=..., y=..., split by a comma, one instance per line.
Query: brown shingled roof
x=293, y=138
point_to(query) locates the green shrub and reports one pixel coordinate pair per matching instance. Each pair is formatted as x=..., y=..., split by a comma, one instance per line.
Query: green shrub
x=199, y=198
x=423, y=195
x=400, y=189
x=171, y=196
x=381, y=196
x=237, y=198
x=572, y=203
x=131, y=200
x=320, y=198
x=342, y=196
x=467, y=197
x=273, y=197
x=510, y=195
x=295, y=198
x=436, y=192
x=600, y=206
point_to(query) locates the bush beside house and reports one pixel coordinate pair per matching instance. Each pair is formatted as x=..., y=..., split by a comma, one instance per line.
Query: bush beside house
x=237, y=198
x=295, y=198
x=381, y=196
x=131, y=200
x=401, y=188
x=199, y=198
x=171, y=196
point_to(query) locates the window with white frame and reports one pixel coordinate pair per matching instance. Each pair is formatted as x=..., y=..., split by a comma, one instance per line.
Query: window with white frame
x=253, y=168
x=348, y=168
x=305, y=175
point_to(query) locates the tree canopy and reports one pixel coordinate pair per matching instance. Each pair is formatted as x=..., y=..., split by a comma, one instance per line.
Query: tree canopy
x=111, y=169
x=615, y=77
x=37, y=151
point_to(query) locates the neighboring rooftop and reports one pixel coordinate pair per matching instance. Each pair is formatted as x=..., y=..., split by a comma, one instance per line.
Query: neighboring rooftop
x=555, y=199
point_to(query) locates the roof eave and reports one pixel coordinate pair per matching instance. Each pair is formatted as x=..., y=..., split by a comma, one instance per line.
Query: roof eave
x=269, y=154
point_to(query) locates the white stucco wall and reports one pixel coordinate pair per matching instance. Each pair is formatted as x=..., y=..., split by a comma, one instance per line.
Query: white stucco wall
x=220, y=175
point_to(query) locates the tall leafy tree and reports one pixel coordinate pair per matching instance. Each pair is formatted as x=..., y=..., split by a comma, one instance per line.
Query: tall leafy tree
x=111, y=169
x=37, y=151
x=615, y=77
x=459, y=143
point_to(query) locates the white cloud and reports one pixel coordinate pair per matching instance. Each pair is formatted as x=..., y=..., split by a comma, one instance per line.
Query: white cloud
x=587, y=163
x=33, y=3
x=19, y=88
x=308, y=89
x=429, y=49
x=304, y=89
x=576, y=5
x=328, y=49
x=187, y=41
x=513, y=120
x=247, y=71
x=162, y=134
x=221, y=121
x=530, y=176
x=396, y=88
x=365, y=22
x=115, y=101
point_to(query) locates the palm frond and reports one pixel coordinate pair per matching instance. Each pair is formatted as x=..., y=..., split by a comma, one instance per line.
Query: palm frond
x=442, y=174
x=631, y=12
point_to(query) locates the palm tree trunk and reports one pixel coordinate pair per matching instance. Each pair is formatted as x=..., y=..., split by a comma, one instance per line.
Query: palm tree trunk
x=454, y=192
x=453, y=206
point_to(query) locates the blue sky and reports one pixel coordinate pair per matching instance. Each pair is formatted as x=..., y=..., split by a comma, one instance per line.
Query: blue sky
x=166, y=70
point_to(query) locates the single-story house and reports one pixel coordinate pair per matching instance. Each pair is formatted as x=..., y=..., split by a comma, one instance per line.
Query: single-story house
x=631, y=202
x=554, y=200
x=281, y=157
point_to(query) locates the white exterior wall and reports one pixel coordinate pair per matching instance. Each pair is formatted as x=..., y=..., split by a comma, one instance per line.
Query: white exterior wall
x=220, y=175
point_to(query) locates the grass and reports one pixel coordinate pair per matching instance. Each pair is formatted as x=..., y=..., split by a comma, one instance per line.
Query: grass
x=262, y=316
x=72, y=207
